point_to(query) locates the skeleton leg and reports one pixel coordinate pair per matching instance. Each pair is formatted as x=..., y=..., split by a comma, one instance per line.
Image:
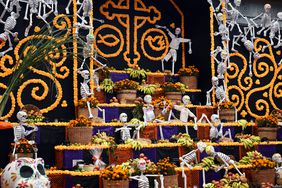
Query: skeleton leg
x=172, y=70
x=81, y=67
x=183, y=175
x=190, y=47
x=103, y=113
x=236, y=168
x=89, y=110
x=10, y=47
x=48, y=25
x=68, y=6
x=163, y=65
x=235, y=40
x=259, y=32
x=204, y=177
x=29, y=26
x=26, y=11
x=250, y=64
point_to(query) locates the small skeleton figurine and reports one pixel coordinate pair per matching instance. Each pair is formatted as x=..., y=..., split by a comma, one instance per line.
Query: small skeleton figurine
x=234, y=15
x=222, y=29
x=125, y=130
x=274, y=29
x=34, y=7
x=219, y=91
x=224, y=63
x=216, y=130
x=265, y=18
x=174, y=46
x=190, y=157
x=185, y=113
x=11, y=7
x=223, y=159
x=148, y=110
x=20, y=132
x=9, y=25
x=143, y=181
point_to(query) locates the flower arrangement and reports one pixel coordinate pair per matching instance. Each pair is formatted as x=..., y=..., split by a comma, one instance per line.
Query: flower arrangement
x=173, y=87
x=81, y=121
x=161, y=103
x=126, y=84
x=166, y=167
x=148, y=89
x=104, y=140
x=92, y=100
x=23, y=147
x=251, y=155
x=267, y=121
x=33, y=113
x=114, y=173
x=136, y=73
x=226, y=105
x=189, y=71
x=263, y=163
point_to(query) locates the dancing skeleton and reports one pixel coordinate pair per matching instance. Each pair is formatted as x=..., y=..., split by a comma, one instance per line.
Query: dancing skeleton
x=148, y=110
x=20, y=132
x=224, y=63
x=265, y=18
x=223, y=31
x=174, y=46
x=219, y=91
x=185, y=113
x=9, y=25
x=190, y=157
x=223, y=159
x=85, y=90
x=143, y=181
x=10, y=7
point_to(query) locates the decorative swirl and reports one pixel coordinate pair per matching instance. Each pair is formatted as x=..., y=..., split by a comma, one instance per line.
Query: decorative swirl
x=238, y=100
x=263, y=67
x=13, y=104
x=61, y=22
x=6, y=71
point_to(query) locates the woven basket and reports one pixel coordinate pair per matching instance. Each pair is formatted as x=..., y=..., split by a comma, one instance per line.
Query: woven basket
x=269, y=132
x=227, y=114
x=265, y=175
x=175, y=97
x=169, y=181
x=155, y=78
x=57, y=180
x=115, y=183
x=80, y=135
x=126, y=96
x=190, y=81
x=84, y=112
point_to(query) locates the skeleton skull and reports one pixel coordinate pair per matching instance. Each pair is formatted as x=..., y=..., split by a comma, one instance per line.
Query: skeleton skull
x=215, y=119
x=214, y=81
x=177, y=31
x=142, y=164
x=267, y=8
x=224, y=54
x=210, y=150
x=219, y=17
x=25, y=172
x=148, y=99
x=279, y=15
x=123, y=117
x=237, y=2
x=85, y=74
x=276, y=157
x=186, y=99
x=90, y=39
x=21, y=115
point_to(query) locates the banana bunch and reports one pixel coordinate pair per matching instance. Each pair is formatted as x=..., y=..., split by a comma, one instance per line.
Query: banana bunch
x=185, y=142
x=135, y=144
x=107, y=85
x=209, y=185
x=207, y=163
x=243, y=123
x=148, y=89
x=230, y=180
x=136, y=73
x=135, y=121
x=252, y=155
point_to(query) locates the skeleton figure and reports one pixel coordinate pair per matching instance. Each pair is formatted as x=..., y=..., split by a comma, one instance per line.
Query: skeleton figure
x=190, y=157
x=223, y=159
x=174, y=46
x=148, y=110
x=224, y=63
x=143, y=181
x=20, y=132
x=11, y=7
x=185, y=113
x=34, y=7
x=54, y=8
x=125, y=130
x=234, y=15
x=265, y=18
x=25, y=172
x=274, y=29
x=276, y=157
x=219, y=91
x=68, y=6
x=9, y=25
x=222, y=29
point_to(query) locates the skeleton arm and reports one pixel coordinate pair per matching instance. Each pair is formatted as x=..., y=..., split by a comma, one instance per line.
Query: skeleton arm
x=161, y=178
x=34, y=128
x=137, y=178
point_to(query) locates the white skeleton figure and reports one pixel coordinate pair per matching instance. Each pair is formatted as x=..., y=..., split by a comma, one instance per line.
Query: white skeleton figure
x=219, y=91
x=20, y=132
x=190, y=157
x=276, y=157
x=148, y=110
x=234, y=15
x=224, y=63
x=249, y=45
x=185, y=113
x=9, y=25
x=54, y=8
x=10, y=7
x=265, y=18
x=223, y=159
x=143, y=181
x=274, y=29
x=124, y=130
x=174, y=46
x=34, y=7
x=223, y=30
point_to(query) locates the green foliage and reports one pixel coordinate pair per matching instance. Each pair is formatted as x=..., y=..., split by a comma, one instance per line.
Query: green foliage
x=136, y=73
x=107, y=85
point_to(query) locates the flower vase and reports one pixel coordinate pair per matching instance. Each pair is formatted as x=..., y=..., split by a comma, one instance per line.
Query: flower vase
x=126, y=96
x=115, y=183
x=175, y=97
x=190, y=81
x=269, y=132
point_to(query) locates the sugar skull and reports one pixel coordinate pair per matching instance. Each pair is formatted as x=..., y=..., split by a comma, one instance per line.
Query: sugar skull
x=25, y=172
